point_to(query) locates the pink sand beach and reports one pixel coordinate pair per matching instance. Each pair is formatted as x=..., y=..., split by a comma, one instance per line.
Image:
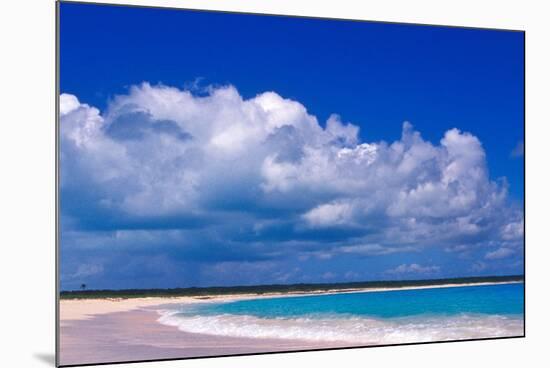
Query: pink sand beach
x=128, y=331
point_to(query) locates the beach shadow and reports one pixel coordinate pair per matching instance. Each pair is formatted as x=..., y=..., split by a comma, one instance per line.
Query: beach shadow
x=46, y=358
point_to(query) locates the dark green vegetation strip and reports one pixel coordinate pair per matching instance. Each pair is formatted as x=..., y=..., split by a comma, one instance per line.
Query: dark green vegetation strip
x=278, y=288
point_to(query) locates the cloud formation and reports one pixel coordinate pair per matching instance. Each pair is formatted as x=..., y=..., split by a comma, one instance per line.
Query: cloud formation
x=519, y=150
x=413, y=268
x=499, y=253
x=221, y=178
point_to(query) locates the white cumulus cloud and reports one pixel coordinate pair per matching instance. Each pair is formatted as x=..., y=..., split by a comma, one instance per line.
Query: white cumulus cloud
x=413, y=268
x=499, y=253
x=161, y=156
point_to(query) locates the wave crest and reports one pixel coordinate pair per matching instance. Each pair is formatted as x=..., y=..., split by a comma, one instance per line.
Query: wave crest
x=356, y=330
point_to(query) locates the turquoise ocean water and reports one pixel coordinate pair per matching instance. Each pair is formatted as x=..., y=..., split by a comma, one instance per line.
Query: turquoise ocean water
x=380, y=317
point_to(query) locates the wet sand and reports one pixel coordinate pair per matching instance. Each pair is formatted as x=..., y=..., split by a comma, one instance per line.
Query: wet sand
x=136, y=335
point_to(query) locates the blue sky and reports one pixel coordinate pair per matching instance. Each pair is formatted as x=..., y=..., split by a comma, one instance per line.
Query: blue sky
x=190, y=141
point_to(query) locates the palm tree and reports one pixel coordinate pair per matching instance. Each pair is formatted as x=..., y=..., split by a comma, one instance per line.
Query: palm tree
x=83, y=287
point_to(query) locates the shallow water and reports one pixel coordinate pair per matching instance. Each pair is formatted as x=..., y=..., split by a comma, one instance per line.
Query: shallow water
x=384, y=317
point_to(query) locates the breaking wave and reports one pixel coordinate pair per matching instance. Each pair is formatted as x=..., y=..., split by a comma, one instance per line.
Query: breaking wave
x=352, y=329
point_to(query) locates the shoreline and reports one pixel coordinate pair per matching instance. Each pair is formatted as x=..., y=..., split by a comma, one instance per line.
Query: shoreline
x=80, y=309
x=136, y=335
x=108, y=330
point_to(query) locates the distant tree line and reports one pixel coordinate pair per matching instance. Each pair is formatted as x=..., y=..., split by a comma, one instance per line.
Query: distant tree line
x=275, y=288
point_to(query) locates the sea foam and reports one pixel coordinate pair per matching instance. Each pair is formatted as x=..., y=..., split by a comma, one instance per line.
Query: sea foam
x=351, y=329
